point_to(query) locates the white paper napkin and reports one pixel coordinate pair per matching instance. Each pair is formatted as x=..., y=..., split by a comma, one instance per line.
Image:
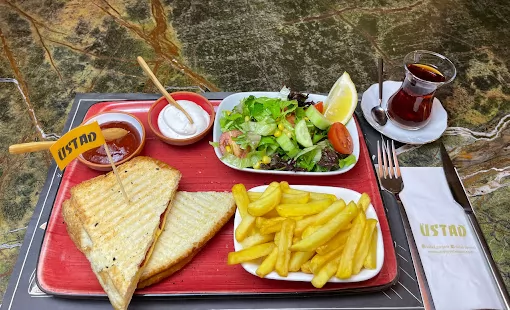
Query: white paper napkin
x=457, y=274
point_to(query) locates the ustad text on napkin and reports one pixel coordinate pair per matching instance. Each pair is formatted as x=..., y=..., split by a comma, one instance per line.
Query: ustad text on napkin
x=457, y=273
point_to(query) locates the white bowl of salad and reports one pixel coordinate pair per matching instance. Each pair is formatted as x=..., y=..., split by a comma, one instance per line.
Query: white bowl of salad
x=282, y=133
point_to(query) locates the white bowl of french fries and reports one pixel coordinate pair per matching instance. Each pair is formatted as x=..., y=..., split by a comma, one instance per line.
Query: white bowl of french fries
x=307, y=233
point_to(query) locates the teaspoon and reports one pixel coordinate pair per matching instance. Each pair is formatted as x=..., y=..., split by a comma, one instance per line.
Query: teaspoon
x=378, y=113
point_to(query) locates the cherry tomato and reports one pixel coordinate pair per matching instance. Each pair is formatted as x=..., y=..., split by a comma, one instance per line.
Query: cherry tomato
x=340, y=138
x=226, y=140
x=319, y=106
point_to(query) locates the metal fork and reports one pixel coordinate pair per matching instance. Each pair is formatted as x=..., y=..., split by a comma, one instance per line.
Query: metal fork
x=390, y=179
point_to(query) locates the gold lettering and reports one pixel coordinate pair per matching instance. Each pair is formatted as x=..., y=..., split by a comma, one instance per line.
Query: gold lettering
x=453, y=230
x=462, y=230
x=443, y=227
x=434, y=229
x=424, y=228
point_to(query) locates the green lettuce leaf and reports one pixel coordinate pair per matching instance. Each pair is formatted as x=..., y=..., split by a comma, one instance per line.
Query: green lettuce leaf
x=249, y=161
x=268, y=145
x=265, y=127
x=300, y=114
x=264, y=107
x=230, y=121
x=248, y=139
x=349, y=160
x=309, y=159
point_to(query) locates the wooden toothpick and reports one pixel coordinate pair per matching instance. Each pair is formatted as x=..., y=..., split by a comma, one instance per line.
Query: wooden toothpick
x=115, y=172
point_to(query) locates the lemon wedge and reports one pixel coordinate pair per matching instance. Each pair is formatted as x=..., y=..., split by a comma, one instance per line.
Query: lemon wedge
x=342, y=100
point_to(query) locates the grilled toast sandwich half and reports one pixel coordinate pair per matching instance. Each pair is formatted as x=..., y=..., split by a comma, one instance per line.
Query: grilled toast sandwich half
x=194, y=218
x=117, y=237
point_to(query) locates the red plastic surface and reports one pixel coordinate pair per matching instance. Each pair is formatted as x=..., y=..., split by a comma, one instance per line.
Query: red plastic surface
x=63, y=270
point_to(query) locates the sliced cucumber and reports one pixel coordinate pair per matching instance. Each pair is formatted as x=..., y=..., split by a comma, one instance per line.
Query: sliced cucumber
x=302, y=134
x=317, y=118
x=287, y=145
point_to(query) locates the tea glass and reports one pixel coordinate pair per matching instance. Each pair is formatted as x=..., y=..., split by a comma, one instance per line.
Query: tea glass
x=411, y=106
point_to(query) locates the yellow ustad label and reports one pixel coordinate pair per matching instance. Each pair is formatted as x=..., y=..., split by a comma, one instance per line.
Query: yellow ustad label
x=75, y=142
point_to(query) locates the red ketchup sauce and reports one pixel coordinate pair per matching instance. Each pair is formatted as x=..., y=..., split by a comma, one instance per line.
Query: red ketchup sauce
x=119, y=148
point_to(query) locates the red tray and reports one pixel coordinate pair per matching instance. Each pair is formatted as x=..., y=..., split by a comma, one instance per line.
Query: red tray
x=63, y=270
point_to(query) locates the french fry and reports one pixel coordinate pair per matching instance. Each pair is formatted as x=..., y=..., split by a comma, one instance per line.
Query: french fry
x=362, y=251
x=318, y=261
x=249, y=254
x=266, y=202
x=284, y=185
x=306, y=267
x=286, y=198
x=321, y=196
x=271, y=187
x=313, y=196
x=255, y=239
x=327, y=231
x=271, y=225
x=282, y=261
x=254, y=196
x=326, y=272
x=299, y=258
x=271, y=214
x=268, y=264
x=263, y=221
x=364, y=202
x=337, y=241
x=245, y=227
x=259, y=221
x=274, y=220
x=277, y=238
x=320, y=218
x=330, y=212
x=310, y=230
x=295, y=198
x=371, y=259
x=269, y=229
x=241, y=198
x=254, y=230
x=257, y=195
x=346, y=262
x=294, y=209
x=305, y=222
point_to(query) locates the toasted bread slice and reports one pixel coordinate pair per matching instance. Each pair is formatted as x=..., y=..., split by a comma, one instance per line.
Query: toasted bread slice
x=117, y=237
x=193, y=220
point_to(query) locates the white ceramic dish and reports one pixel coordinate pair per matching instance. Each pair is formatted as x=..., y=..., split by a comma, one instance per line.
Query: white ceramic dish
x=233, y=100
x=347, y=195
x=427, y=134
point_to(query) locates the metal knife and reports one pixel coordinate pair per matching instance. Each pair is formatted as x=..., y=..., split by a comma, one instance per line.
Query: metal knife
x=459, y=194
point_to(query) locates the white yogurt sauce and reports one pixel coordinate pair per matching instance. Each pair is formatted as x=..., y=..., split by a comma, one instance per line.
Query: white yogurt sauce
x=174, y=124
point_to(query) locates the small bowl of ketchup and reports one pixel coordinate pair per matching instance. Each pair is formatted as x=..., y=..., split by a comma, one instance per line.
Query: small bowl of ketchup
x=121, y=149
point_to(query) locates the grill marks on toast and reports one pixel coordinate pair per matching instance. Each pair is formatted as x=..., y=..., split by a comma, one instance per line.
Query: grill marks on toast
x=194, y=218
x=120, y=234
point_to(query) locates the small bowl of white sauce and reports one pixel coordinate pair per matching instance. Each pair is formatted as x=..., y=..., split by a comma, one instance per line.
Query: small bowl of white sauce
x=172, y=126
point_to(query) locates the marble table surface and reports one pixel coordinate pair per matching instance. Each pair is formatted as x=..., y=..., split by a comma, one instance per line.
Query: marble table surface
x=56, y=48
